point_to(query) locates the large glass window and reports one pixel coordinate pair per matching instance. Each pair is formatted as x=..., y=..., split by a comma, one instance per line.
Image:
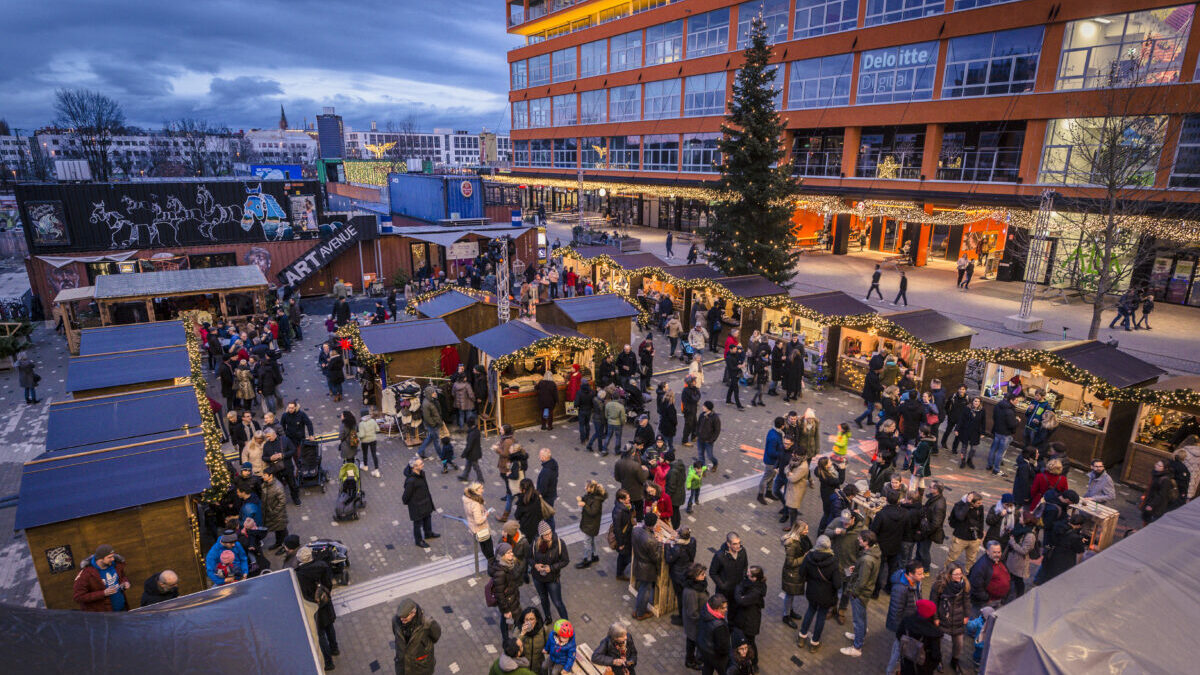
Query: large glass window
x=821, y=82
x=1086, y=150
x=988, y=152
x=539, y=153
x=972, y=4
x=520, y=115
x=1124, y=49
x=660, y=153
x=539, y=70
x=818, y=17
x=1185, y=172
x=818, y=152
x=891, y=11
x=564, y=64
x=625, y=152
x=992, y=63
x=520, y=153
x=593, y=58
x=625, y=51
x=625, y=103
x=518, y=74
x=891, y=152
x=539, y=112
x=592, y=152
x=661, y=100
x=564, y=110
x=593, y=106
x=897, y=73
x=704, y=95
x=664, y=43
x=700, y=153
x=708, y=33
x=773, y=12
x=565, y=155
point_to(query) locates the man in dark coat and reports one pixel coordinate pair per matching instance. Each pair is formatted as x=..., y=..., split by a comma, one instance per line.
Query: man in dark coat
x=160, y=587
x=1022, y=489
x=622, y=527
x=546, y=391
x=648, y=553
x=225, y=374
x=889, y=526
x=1004, y=425
x=690, y=402
x=584, y=400
x=712, y=635
x=547, y=480
x=871, y=391
x=419, y=501
x=506, y=575
x=933, y=518
x=728, y=565
x=472, y=453
x=631, y=474
x=415, y=635
x=952, y=408
x=280, y=453
x=335, y=374
x=315, y=579
x=676, y=487
x=341, y=312
x=627, y=367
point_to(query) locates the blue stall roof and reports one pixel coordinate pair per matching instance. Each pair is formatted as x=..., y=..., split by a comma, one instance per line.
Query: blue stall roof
x=595, y=307
x=64, y=485
x=509, y=337
x=445, y=303
x=121, y=368
x=134, y=336
x=403, y=336
x=833, y=303
x=129, y=418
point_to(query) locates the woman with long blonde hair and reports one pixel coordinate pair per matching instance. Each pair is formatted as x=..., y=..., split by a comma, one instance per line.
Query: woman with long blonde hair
x=477, y=518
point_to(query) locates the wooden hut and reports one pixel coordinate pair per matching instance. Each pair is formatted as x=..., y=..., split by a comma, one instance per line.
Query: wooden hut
x=618, y=276
x=606, y=317
x=413, y=348
x=680, y=298
x=67, y=310
x=465, y=314
x=936, y=330
x=160, y=296
x=821, y=342
x=119, y=372
x=738, y=315
x=1089, y=427
x=118, y=470
x=1160, y=431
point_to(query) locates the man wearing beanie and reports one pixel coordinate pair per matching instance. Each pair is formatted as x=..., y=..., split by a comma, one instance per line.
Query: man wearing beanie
x=316, y=582
x=415, y=634
x=921, y=627
x=291, y=546
x=101, y=582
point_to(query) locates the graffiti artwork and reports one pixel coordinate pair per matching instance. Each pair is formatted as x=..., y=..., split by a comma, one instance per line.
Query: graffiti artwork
x=304, y=212
x=62, y=277
x=259, y=256
x=49, y=224
x=60, y=559
x=262, y=208
x=213, y=214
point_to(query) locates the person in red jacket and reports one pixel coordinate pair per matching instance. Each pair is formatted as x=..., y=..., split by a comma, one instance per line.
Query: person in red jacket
x=101, y=582
x=1052, y=477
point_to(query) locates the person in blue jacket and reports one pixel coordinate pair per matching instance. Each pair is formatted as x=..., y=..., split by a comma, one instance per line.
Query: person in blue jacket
x=228, y=541
x=771, y=450
x=251, y=506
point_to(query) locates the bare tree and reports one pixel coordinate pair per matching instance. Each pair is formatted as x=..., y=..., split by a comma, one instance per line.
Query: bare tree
x=92, y=119
x=4, y=130
x=200, y=144
x=243, y=151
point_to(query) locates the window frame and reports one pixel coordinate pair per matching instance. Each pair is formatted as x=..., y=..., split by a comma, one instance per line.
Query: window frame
x=571, y=108
x=665, y=46
x=624, y=150
x=877, y=12
x=518, y=68
x=916, y=71
x=663, y=153
x=559, y=71
x=777, y=21
x=1142, y=75
x=540, y=109
x=559, y=150
x=704, y=94
x=845, y=77
x=523, y=108
x=714, y=36
x=618, y=54
x=591, y=97
x=815, y=8
x=990, y=65
x=662, y=93
x=617, y=96
x=587, y=54
x=539, y=69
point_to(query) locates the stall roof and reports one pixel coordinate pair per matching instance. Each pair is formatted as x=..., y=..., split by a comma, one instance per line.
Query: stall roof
x=403, y=336
x=121, y=368
x=73, y=294
x=930, y=326
x=1101, y=359
x=159, y=413
x=1139, y=623
x=513, y=335
x=65, y=485
x=751, y=286
x=696, y=271
x=445, y=236
x=595, y=307
x=633, y=261
x=109, y=339
x=214, y=631
x=179, y=282
x=1190, y=382
x=833, y=303
x=446, y=303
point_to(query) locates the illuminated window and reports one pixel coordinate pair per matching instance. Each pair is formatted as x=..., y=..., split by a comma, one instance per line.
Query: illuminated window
x=1096, y=150
x=662, y=99
x=891, y=11
x=897, y=73
x=704, y=95
x=992, y=63
x=1124, y=50
x=564, y=110
x=625, y=152
x=700, y=153
x=564, y=64
x=891, y=152
x=708, y=33
x=660, y=152
x=821, y=82
x=593, y=153
x=664, y=43
x=988, y=152
x=818, y=152
x=625, y=103
x=819, y=17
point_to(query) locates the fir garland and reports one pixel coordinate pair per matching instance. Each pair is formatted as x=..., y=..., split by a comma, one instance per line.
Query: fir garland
x=214, y=458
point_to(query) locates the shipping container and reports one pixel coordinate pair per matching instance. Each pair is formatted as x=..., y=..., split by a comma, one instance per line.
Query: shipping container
x=436, y=198
x=72, y=169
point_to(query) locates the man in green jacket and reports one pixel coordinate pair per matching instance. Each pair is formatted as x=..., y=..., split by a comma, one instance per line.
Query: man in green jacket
x=861, y=587
x=415, y=634
x=614, y=418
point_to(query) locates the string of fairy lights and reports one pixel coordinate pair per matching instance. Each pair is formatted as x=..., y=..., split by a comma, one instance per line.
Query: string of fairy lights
x=875, y=324
x=352, y=338
x=214, y=459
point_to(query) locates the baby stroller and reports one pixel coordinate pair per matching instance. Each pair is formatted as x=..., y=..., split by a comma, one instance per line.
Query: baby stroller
x=686, y=351
x=351, y=497
x=336, y=554
x=312, y=473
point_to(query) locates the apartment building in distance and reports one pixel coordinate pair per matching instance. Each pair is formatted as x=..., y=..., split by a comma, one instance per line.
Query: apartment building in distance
x=455, y=148
x=946, y=104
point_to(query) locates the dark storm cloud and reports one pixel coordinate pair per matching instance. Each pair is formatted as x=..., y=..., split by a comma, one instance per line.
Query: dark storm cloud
x=235, y=62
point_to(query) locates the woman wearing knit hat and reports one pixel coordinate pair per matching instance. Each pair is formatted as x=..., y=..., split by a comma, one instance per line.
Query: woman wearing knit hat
x=920, y=641
x=822, y=577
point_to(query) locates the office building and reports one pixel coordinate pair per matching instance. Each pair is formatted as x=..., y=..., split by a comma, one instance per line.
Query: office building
x=330, y=135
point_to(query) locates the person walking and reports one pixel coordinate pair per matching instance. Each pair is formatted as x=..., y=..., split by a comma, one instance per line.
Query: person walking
x=961, y=265
x=419, y=501
x=951, y=593
x=415, y=635
x=668, y=418
x=648, y=555
x=472, y=452
x=315, y=579
x=599, y=422
x=953, y=407
x=861, y=588
x=875, y=283
x=872, y=393
x=967, y=274
x=101, y=583
x=708, y=431
x=431, y=419
x=734, y=357
x=670, y=241
x=1147, y=307
x=28, y=378
x=903, y=294
x=690, y=403
x=821, y=578
x=674, y=330
x=550, y=556
x=692, y=254
x=614, y=424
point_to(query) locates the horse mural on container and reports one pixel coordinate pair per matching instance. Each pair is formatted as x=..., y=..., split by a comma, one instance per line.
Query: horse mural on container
x=116, y=222
x=212, y=214
x=262, y=208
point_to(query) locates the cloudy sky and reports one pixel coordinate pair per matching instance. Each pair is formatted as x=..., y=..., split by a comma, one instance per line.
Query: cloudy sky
x=233, y=62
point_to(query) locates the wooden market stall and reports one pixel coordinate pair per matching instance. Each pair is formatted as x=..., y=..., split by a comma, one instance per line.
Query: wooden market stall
x=119, y=372
x=679, y=296
x=103, y=480
x=821, y=342
x=606, y=317
x=413, y=348
x=160, y=296
x=70, y=307
x=619, y=276
x=736, y=314
x=1089, y=427
x=514, y=384
x=465, y=314
x=1160, y=430
x=109, y=339
x=941, y=332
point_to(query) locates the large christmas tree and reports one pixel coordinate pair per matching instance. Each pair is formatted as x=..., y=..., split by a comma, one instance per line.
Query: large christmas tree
x=750, y=232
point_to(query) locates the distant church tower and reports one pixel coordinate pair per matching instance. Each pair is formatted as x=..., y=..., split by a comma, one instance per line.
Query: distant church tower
x=283, y=125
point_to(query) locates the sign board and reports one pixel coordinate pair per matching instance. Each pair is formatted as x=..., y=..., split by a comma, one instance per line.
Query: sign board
x=344, y=236
x=466, y=188
x=462, y=250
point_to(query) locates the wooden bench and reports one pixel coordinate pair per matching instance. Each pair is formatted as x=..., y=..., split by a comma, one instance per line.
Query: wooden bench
x=583, y=662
